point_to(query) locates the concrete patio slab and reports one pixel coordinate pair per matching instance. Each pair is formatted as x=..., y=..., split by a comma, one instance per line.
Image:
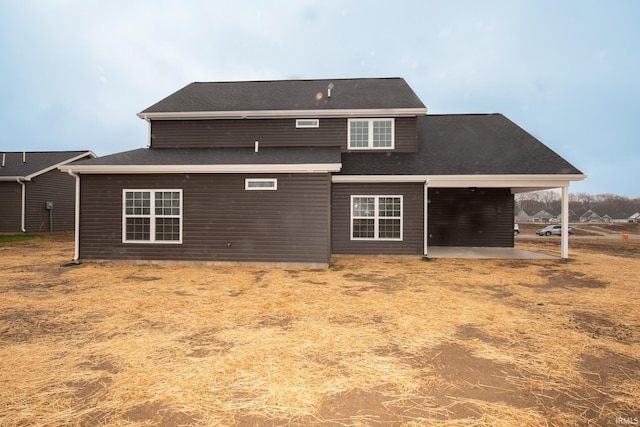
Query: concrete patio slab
x=484, y=253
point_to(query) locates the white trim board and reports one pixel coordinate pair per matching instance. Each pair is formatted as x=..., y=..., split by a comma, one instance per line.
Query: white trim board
x=283, y=114
x=461, y=181
x=164, y=169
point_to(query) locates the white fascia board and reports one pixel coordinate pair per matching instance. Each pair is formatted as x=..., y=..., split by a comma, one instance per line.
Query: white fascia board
x=164, y=169
x=461, y=181
x=58, y=165
x=339, y=179
x=13, y=178
x=283, y=114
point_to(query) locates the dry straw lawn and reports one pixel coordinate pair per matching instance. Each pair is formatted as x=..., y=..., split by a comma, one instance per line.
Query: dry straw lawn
x=369, y=341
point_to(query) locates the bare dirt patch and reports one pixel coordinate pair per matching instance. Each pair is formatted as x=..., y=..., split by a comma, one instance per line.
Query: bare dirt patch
x=368, y=341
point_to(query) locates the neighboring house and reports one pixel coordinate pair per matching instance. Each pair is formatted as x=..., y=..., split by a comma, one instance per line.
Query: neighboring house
x=294, y=171
x=543, y=216
x=573, y=216
x=590, y=216
x=522, y=216
x=34, y=195
x=634, y=218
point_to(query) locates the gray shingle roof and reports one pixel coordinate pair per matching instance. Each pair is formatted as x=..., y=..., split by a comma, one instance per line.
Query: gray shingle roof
x=291, y=95
x=36, y=161
x=218, y=156
x=472, y=144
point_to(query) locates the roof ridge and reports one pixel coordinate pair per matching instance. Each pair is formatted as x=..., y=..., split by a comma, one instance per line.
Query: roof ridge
x=297, y=80
x=465, y=114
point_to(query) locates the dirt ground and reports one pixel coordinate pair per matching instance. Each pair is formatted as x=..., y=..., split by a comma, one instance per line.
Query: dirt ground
x=369, y=341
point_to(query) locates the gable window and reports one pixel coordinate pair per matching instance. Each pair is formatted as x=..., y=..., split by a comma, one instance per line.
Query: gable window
x=371, y=134
x=376, y=217
x=152, y=216
x=261, y=184
x=307, y=123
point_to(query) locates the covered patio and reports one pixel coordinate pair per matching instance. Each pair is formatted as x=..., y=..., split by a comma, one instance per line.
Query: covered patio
x=460, y=252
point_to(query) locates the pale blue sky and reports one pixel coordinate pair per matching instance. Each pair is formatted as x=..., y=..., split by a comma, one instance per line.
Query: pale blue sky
x=74, y=73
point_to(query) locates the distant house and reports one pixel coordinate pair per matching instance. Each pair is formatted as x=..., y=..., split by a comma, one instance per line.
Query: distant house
x=543, y=216
x=522, y=216
x=35, y=196
x=634, y=218
x=590, y=216
x=573, y=216
x=297, y=170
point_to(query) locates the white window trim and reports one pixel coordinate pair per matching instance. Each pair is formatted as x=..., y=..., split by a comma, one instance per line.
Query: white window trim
x=370, y=142
x=300, y=123
x=152, y=216
x=376, y=218
x=247, y=182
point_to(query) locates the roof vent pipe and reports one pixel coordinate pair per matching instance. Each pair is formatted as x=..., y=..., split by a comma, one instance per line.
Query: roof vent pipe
x=24, y=157
x=3, y=158
x=256, y=146
x=329, y=90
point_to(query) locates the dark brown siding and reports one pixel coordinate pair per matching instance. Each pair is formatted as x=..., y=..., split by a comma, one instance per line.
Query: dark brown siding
x=10, y=207
x=57, y=187
x=222, y=221
x=406, y=134
x=269, y=132
x=413, y=223
x=461, y=217
x=244, y=133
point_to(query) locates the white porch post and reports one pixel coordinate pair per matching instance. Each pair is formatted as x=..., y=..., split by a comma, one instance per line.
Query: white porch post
x=426, y=204
x=564, y=251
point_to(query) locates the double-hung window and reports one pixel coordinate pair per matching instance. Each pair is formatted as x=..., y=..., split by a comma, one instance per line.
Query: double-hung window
x=376, y=217
x=152, y=216
x=371, y=134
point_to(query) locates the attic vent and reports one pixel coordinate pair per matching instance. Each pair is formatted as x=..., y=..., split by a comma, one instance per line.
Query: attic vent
x=261, y=184
x=307, y=123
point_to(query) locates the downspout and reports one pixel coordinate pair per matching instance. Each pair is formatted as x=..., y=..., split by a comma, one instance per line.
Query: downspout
x=426, y=221
x=149, y=138
x=23, y=206
x=76, y=254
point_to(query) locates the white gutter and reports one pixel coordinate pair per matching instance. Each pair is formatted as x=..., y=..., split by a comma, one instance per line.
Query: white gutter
x=12, y=178
x=58, y=165
x=76, y=253
x=283, y=114
x=149, y=129
x=23, y=210
x=244, y=168
x=461, y=181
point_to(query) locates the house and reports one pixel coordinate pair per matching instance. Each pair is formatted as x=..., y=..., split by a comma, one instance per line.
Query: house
x=543, y=216
x=634, y=218
x=522, y=216
x=293, y=171
x=590, y=216
x=35, y=195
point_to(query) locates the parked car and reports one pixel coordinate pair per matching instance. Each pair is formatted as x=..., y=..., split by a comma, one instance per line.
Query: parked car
x=516, y=229
x=552, y=229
